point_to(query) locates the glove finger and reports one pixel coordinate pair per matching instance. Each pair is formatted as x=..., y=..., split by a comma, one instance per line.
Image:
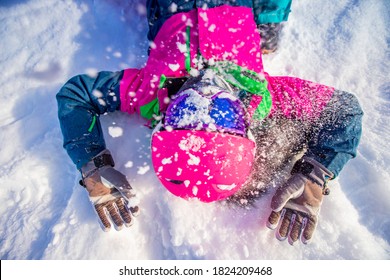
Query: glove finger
x=124, y=212
x=284, y=227
x=273, y=219
x=310, y=225
x=101, y=212
x=296, y=226
x=115, y=216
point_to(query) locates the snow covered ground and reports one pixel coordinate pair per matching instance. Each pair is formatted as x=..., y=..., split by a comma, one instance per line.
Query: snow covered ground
x=45, y=214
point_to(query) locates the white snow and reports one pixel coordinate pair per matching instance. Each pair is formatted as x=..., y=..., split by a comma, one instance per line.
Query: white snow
x=226, y=187
x=142, y=170
x=115, y=131
x=174, y=67
x=45, y=214
x=194, y=160
x=182, y=47
x=212, y=27
x=192, y=143
x=173, y=8
x=166, y=160
x=129, y=164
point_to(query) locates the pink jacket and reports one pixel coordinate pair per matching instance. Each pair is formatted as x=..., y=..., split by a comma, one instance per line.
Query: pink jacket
x=224, y=33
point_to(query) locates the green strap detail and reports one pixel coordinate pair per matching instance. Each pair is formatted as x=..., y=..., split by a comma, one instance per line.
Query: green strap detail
x=249, y=81
x=92, y=124
x=240, y=77
x=150, y=109
x=188, y=54
x=163, y=78
x=264, y=108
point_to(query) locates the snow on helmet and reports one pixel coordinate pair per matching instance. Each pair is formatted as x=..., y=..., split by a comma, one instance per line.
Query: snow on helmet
x=202, y=148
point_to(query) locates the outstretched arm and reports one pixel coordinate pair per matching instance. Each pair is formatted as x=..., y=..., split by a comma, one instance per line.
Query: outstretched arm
x=336, y=126
x=80, y=102
x=335, y=118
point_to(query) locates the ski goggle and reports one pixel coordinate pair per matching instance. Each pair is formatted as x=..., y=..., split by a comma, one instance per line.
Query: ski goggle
x=219, y=111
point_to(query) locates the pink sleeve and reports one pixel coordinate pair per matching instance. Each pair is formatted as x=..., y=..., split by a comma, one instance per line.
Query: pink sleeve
x=297, y=98
x=129, y=84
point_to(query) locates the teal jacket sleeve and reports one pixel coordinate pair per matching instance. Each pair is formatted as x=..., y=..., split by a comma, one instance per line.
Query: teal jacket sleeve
x=338, y=133
x=271, y=11
x=80, y=102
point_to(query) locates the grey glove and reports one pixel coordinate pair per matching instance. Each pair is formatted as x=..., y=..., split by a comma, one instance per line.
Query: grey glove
x=109, y=191
x=296, y=205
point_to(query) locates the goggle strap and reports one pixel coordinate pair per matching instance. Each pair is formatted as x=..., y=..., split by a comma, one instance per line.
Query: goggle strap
x=249, y=81
x=239, y=76
x=264, y=108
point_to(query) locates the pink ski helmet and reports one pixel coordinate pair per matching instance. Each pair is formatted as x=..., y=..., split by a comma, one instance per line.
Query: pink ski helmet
x=201, y=149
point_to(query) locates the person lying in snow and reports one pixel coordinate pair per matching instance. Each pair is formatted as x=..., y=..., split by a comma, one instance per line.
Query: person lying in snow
x=223, y=128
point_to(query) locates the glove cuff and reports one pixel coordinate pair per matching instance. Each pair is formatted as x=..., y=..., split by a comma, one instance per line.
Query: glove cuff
x=313, y=170
x=104, y=158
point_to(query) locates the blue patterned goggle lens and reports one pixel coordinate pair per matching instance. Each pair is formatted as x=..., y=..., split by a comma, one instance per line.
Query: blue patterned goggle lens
x=219, y=112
